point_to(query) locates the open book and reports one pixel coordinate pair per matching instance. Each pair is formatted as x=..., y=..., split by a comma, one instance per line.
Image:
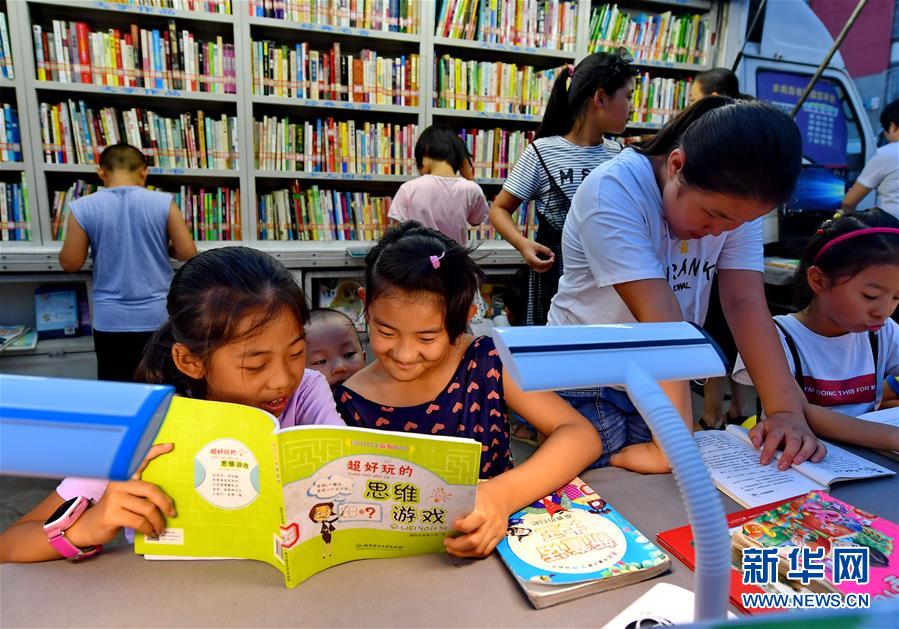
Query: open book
x=304, y=498
x=734, y=465
x=888, y=416
x=572, y=543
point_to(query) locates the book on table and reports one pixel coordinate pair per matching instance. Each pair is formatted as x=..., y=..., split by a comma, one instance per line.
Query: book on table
x=572, y=543
x=733, y=463
x=304, y=498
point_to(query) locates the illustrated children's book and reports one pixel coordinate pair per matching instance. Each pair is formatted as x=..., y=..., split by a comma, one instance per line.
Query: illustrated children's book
x=734, y=465
x=818, y=520
x=573, y=543
x=888, y=416
x=25, y=342
x=679, y=542
x=304, y=498
x=9, y=334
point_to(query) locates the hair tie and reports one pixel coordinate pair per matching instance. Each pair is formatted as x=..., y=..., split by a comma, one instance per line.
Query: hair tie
x=858, y=232
x=435, y=260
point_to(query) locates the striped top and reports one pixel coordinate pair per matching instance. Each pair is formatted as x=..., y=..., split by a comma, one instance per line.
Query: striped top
x=568, y=163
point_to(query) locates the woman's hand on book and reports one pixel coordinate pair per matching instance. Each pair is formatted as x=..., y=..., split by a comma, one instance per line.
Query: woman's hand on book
x=791, y=431
x=135, y=504
x=483, y=528
x=538, y=257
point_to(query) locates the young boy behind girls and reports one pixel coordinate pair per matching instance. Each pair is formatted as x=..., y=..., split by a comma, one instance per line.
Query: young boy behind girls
x=842, y=345
x=431, y=377
x=333, y=345
x=234, y=334
x=129, y=230
x=441, y=198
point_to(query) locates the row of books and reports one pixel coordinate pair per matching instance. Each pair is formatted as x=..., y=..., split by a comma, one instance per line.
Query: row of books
x=72, y=52
x=525, y=218
x=6, y=67
x=76, y=134
x=491, y=86
x=657, y=100
x=298, y=72
x=330, y=146
x=400, y=16
x=221, y=7
x=59, y=207
x=550, y=24
x=211, y=214
x=495, y=151
x=665, y=37
x=10, y=135
x=315, y=214
x=15, y=218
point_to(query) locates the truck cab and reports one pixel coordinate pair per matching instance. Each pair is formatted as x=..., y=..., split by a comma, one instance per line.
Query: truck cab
x=780, y=57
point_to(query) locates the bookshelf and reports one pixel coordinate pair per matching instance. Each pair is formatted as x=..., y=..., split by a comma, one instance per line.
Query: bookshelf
x=318, y=31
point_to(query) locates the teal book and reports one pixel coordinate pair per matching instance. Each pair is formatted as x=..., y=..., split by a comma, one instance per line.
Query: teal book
x=573, y=543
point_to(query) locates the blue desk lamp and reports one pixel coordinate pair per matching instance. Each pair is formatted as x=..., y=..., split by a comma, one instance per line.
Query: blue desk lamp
x=57, y=427
x=637, y=356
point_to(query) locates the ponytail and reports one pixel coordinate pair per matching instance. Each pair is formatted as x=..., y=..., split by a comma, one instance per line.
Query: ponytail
x=575, y=86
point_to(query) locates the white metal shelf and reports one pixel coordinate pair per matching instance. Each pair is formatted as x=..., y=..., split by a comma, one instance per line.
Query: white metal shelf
x=8, y=83
x=211, y=173
x=327, y=29
x=311, y=103
x=525, y=51
x=115, y=7
x=144, y=92
x=443, y=112
x=12, y=166
x=302, y=175
x=674, y=5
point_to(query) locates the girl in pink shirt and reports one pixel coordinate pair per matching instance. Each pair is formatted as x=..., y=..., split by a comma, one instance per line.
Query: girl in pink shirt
x=441, y=198
x=235, y=333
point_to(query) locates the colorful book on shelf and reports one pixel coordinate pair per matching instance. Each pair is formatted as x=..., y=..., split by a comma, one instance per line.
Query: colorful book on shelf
x=491, y=87
x=27, y=341
x=56, y=312
x=734, y=465
x=820, y=521
x=888, y=416
x=679, y=542
x=573, y=543
x=402, y=16
x=305, y=498
x=10, y=333
x=15, y=222
x=546, y=24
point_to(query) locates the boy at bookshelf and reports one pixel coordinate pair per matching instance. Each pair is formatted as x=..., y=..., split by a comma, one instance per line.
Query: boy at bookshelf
x=441, y=198
x=842, y=346
x=130, y=232
x=333, y=345
x=234, y=333
x=432, y=377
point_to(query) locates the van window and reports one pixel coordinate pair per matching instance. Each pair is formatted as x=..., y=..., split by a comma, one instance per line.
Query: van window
x=832, y=136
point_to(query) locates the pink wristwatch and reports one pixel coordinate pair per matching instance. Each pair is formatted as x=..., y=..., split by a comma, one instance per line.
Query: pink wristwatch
x=57, y=524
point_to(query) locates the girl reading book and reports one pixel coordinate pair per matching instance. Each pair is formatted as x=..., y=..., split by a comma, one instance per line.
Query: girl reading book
x=432, y=377
x=842, y=345
x=234, y=334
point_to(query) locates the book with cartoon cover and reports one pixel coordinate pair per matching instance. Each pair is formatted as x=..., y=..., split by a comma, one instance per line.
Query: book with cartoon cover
x=573, y=543
x=307, y=497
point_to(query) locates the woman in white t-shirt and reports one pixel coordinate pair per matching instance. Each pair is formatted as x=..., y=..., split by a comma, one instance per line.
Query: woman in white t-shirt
x=646, y=233
x=842, y=345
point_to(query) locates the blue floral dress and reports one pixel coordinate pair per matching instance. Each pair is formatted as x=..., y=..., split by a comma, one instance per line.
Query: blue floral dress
x=471, y=405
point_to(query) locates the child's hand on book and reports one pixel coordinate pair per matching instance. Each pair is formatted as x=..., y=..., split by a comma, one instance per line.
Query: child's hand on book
x=134, y=504
x=791, y=431
x=483, y=528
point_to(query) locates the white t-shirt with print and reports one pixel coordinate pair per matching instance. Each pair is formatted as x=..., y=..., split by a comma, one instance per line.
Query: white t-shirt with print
x=838, y=372
x=882, y=174
x=616, y=232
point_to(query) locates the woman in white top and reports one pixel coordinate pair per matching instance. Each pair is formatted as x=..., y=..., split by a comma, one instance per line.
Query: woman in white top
x=646, y=233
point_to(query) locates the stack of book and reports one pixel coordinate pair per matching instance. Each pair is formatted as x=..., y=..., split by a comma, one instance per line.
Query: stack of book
x=399, y=16
x=662, y=38
x=495, y=151
x=314, y=214
x=72, y=52
x=525, y=218
x=330, y=146
x=15, y=219
x=298, y=72
x=491, y=86
x=211, y=214
x=657, y=100
x=221, y=7
x=6, y=68
x=10, y=136
x=548, y=24
x=59, y=210
x=77, y=134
